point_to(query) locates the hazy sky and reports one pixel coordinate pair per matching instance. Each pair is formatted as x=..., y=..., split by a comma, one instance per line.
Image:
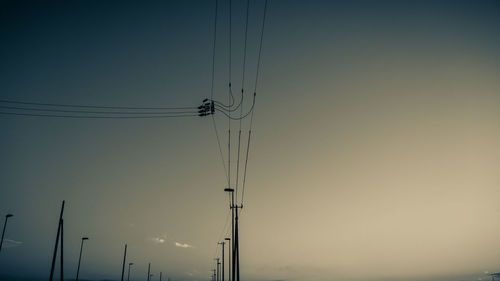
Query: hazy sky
x=375, y=149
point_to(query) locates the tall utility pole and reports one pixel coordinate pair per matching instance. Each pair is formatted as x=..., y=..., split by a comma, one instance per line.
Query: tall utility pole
x=231, y=190
x=124, y=259
x=229, y=267
x=236, y=247
x=4, y=226
x=222, y=243
x=58, y=236
x=80, y=258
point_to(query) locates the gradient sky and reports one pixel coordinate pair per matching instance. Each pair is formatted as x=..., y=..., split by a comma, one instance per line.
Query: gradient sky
x=375, y=150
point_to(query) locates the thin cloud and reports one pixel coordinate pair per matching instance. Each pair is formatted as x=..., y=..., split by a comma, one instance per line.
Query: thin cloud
x=159, y=240
x=183, y=245
x=8, y=243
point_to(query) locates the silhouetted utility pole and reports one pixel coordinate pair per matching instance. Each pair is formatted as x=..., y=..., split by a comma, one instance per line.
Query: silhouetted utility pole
x=160, y=275
x=222, y=243
x=124, y=259
x=128, y=275
x=236, y=249
x=80, y=258
x=59, y=235
x=149, y=270
x=4, y=226
x=218, y=269
x=229, y=251
x=231, y=190
x=215, y=274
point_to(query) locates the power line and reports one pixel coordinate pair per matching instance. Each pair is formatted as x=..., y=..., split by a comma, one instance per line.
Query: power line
x=213, y=52
x=220, y=148
x=255, y=93
x=237, y=118
x=242, y=92
x=94, y=112
x=212, y=88
x=230, y=92
x=260, y=46
x=96, y=117
x=92, y=106
x=245, y=48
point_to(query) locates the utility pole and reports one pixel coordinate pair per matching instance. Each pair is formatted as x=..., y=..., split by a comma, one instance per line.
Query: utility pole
x=222, y=243
x=128, y=275
x=149, y=270
x=217, y=278
x=80, y=258
x=214, y=276
x=160, y=275
x=124, y=259
x=231, y=190
x=58, y=236
x=4, y=226
x=236, y=249
x=229, y=267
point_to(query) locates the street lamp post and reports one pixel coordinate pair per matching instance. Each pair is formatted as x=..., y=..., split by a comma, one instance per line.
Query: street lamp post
x=149, y=270
x=222, y=243
x=229, y=245
x=80, y=258
x=128, y=275
x=4, y=226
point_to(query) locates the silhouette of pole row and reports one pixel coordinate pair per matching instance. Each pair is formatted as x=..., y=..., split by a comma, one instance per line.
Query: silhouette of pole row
x=59, y=249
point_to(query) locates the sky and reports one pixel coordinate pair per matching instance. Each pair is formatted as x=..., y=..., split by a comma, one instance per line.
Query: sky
x=374, y=152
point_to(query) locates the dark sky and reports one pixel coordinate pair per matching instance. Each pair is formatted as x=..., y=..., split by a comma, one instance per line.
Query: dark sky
x=374, y=151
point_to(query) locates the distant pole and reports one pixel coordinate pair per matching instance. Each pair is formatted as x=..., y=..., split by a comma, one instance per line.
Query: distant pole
x=222, y=243
x=128, y=275
x=160, y=275
x=4, y=226
x=215, y=274
x=149, y=269
x=57, y=243
x=80, y=258
x=218, y=269
x=229, y=251
x=124, y=259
